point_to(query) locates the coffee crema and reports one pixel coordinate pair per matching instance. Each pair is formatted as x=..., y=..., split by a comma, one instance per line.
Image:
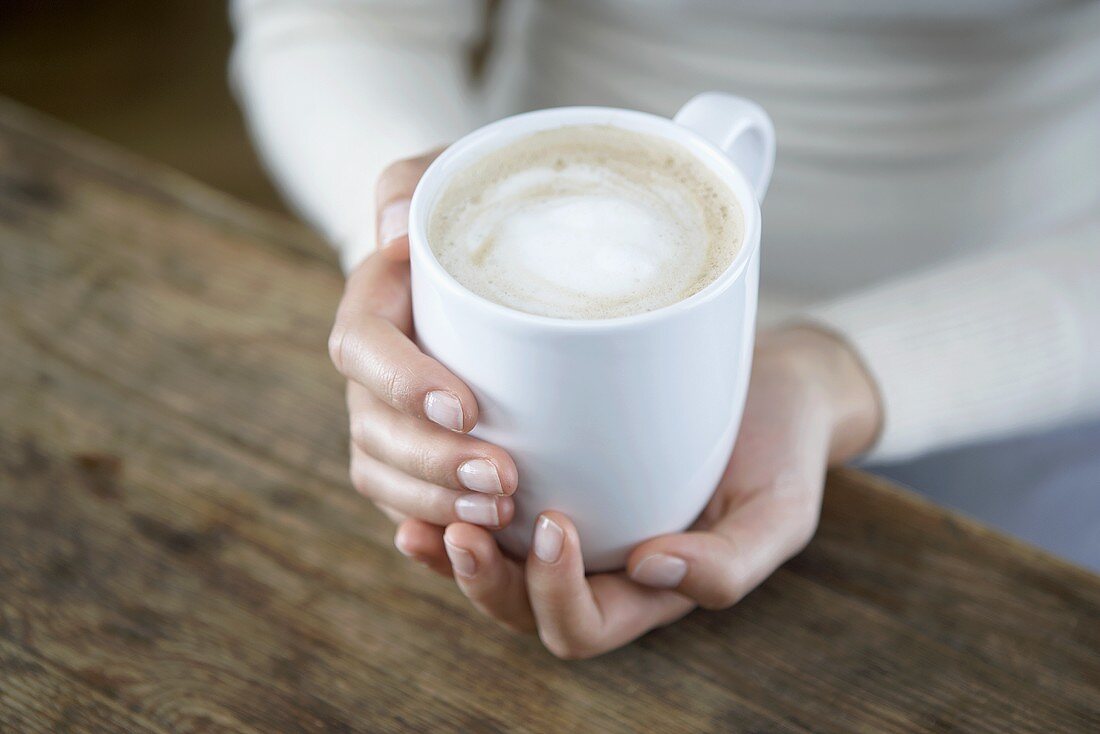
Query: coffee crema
x=586, y=222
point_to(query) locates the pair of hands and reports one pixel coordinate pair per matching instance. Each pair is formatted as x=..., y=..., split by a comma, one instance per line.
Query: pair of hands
x=809, y=404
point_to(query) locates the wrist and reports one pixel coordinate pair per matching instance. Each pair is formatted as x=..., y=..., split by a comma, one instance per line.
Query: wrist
x=835, y=378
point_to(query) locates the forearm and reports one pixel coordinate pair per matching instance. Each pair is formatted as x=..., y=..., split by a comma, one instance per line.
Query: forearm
x=334, y=92
x=989, y=347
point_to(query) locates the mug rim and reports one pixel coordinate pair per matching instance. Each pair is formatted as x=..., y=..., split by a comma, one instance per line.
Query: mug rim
x=556, y=117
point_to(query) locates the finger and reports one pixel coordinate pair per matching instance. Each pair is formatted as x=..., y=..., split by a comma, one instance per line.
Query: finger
x=426, y=451
x=394, y=516
x=718, y=567
x=369, y=345
x=393, y=193
x=398, y=181
x=393, y=229
x=493, y=582
x=578, y=617
x=416, y=498
x=379, y=286
x=423, y=543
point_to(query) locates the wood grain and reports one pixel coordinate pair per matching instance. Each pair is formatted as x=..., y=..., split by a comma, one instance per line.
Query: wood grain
x=180, y=551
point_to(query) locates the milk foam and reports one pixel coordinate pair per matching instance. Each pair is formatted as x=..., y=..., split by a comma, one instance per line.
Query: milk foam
x=586, y=222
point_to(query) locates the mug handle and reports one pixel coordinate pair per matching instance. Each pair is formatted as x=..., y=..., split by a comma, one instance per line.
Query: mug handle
x=740, y=128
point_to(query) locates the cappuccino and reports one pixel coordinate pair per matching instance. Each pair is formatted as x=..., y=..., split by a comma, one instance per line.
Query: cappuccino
x=586, y=222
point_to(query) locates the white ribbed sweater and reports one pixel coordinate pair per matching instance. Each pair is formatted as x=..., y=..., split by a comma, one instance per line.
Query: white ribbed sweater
x=936, y=197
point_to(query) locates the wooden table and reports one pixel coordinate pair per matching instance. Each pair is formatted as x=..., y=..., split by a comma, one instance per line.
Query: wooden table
x=180, y=549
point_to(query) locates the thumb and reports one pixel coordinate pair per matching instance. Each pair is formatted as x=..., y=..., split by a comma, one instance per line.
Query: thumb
x=718, y=567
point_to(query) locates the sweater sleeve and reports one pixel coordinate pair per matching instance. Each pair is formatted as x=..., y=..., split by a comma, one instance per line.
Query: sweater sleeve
x=334, y=91
x=985, y=348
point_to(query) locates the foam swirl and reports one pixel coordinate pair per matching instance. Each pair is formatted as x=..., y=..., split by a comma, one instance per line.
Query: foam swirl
x=586, y=222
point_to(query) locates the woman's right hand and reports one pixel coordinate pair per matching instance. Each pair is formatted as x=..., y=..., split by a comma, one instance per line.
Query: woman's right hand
x=409, y=415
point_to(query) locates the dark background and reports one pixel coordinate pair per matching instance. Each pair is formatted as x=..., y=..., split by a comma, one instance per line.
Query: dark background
x=148, y=75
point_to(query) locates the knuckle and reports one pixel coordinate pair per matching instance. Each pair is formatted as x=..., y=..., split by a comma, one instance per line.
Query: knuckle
x=392, y=383
x=347, y=351
x=394, y=515
x=718, y=601
x=405, y=386
x=565, y=647
x=336, y=341
x=513, y=626
x=725, y=593
x=359, y=479
x=424, y=462
x=360, y=430
x=396, y=384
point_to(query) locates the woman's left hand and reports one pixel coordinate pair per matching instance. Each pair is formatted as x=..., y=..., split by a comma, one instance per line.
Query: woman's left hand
x=809, y=404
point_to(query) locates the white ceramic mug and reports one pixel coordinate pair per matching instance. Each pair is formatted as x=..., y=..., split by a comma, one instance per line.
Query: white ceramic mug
x=624, y=424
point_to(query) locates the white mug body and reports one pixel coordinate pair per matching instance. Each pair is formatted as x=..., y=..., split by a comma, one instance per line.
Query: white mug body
x=624, y=424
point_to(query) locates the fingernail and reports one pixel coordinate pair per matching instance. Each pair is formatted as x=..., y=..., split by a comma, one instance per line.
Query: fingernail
x=480, y=475
x=444, y=409
x=462, y=560
x=660, y=571
x=549, y=539
x=393, y=223
x=479, y=509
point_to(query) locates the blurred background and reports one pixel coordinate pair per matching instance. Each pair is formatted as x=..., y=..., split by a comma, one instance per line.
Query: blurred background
x=147, y=75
